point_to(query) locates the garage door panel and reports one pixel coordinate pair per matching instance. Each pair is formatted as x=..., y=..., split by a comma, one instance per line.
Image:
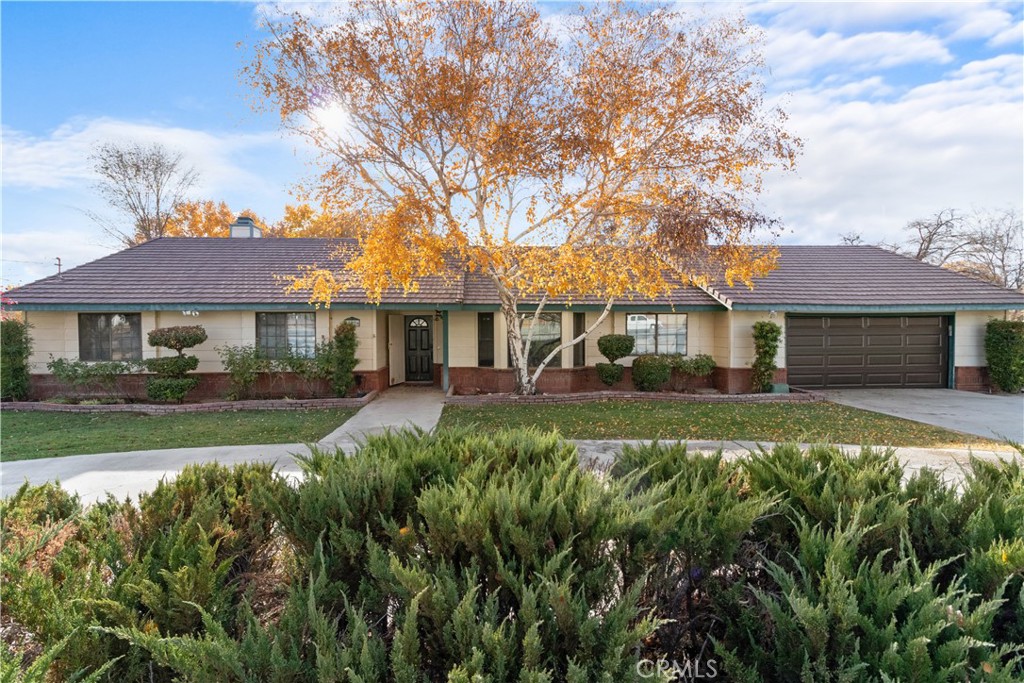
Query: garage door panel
x=847, y=361
x=841, y=341
x=866, y=351
x=843, y=324
x=879, y=340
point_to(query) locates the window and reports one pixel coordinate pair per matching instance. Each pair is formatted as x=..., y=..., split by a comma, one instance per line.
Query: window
x=110, y=336
x=657, y=332
x=547, y=336
x=579, y=351
x=485, y=340
x=276, y=333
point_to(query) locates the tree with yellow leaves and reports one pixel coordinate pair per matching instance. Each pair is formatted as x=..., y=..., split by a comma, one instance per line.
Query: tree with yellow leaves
x=600, y=152
x=204, y=218
x=302, y=220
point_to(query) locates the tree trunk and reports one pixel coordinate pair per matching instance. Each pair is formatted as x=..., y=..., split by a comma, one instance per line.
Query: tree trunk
x=525, y=384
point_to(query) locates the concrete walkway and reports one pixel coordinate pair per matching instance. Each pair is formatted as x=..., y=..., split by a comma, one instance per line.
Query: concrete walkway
x=948, y=462
x=397, y=408
x=131, y=472
x=92, y=477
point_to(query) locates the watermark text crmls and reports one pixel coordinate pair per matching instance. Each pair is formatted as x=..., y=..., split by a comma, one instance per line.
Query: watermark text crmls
x=677, y=670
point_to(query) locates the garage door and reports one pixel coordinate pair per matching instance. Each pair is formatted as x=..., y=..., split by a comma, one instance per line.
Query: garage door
x=837, y=352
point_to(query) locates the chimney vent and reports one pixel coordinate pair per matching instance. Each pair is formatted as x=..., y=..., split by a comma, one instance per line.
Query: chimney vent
x=245, y=227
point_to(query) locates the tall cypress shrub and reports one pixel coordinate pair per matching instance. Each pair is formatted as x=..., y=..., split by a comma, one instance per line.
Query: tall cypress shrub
x=1004, y=353
x=766, y=345
x=15, y=349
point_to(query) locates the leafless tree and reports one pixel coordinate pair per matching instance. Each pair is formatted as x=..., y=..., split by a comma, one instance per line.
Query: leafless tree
x=144, y=184
x=986, y=244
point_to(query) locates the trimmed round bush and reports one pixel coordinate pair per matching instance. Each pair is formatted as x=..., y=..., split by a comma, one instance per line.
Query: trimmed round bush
x=172, y=366
x=1004, y=353
x=610, y=373
x=615, y=346
x=178, y=338
x=651, y=372
x=170, y=388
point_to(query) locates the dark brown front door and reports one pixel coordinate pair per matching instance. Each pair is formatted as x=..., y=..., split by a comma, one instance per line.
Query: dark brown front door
x=419, y=351
x=824, y=352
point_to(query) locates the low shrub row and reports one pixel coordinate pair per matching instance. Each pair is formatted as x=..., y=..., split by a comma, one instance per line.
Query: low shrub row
x=461, y=556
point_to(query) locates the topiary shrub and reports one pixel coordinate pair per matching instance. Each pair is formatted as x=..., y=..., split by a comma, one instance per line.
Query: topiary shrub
x=170, y=383
x=615, y=346
x=651, y=372
x=178, y=338
x=1004, y=353
x=610, y=373
x=15, y=349
x=766, y=345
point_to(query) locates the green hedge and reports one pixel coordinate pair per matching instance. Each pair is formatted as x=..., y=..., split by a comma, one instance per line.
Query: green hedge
x=610, y=373
x=15, y=349
x=462, y=556
x=1004, y=353
x=651, y=372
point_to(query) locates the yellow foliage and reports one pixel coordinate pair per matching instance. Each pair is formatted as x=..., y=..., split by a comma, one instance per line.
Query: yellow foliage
x=303, y=220
x=617, y=159
x=205, y=218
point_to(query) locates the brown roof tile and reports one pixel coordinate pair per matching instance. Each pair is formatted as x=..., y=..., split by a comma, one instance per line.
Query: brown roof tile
x=175, y=271
x=862, y=276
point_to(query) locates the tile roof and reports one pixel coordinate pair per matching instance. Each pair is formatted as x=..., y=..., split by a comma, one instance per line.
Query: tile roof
x=211, y=270
x=238, y=271
x=843, y=275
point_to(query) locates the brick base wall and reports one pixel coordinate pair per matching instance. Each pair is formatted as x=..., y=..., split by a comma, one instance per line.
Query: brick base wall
x=739, y=380
x=469, y=381
x=972, y=379
x=213, y=385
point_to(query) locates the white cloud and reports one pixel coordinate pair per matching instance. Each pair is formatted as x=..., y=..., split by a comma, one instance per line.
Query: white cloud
x=61, y=159
x=872, y=166
x=798, y=52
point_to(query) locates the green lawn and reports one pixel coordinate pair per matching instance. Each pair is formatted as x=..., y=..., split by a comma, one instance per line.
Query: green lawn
x=26, y=436
x=801, y=422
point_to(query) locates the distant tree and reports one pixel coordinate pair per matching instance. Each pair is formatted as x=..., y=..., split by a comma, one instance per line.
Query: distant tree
x=144, y=184
x=851, y=238
x=986, y=244
x=206, y=218
x=303, y=220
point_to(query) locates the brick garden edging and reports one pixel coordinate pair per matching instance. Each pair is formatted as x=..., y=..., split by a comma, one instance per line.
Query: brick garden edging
x=586, y=397
x=212, y=407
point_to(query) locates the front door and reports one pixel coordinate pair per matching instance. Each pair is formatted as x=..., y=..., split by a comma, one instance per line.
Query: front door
x=419, y=351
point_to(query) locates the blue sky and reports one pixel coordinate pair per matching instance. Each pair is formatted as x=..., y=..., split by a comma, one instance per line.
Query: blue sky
x=905, y=109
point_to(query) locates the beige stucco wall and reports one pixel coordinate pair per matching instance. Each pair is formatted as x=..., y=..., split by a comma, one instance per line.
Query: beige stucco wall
x=55, y=333
x=741, y=337
x=969, y=337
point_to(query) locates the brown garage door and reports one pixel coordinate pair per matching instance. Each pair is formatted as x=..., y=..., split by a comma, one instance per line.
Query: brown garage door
x=836, y=352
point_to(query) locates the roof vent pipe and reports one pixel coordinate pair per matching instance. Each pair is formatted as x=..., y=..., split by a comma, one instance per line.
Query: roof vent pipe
x=244, y=226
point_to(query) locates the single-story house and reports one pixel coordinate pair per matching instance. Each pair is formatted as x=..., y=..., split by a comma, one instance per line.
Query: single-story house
x=853, y=316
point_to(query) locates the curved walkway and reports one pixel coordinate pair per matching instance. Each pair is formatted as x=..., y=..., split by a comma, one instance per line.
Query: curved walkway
x=93, y=477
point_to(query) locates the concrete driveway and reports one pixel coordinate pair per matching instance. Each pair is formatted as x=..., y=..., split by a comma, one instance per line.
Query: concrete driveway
x=990, y=416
